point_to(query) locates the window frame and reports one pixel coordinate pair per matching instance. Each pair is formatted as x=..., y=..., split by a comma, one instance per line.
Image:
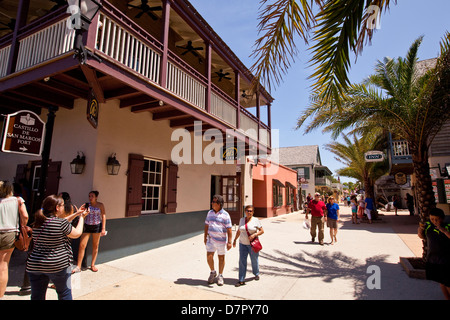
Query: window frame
x=147, y=186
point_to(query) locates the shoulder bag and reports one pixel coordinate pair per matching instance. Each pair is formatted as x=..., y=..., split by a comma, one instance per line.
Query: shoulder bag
x=255, y=243
x=23, y=238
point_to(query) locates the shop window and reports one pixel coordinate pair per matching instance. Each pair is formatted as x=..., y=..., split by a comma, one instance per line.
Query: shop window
x=151, y=185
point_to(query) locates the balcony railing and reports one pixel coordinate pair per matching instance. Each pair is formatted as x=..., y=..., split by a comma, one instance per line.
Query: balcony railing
x=135, y=50
x=322, y=181
x=4, y=58
x=400, y=152
x=124, y=47
x=44, y=45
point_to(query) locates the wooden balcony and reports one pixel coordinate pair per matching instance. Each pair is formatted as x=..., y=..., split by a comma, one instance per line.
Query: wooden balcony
x=400, y=159
x=37, y=68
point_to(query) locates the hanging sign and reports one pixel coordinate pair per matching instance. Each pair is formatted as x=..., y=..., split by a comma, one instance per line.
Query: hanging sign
x=23, y=133
x=92, y=110
x=400, y=178
x=230, y=153
x=374, y=156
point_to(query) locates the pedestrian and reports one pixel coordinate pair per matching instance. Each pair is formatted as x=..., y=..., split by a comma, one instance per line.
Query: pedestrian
x=70, y=214
x=354, y=204
x=396, y=203
x=332, y=218
x=95, y=225
x=316, y=208
x=437, y=234
x=368, y=208
x=410, y=203
x=13, y=214
x=361, y=206
x=249, y=229
x=217, y=237
x=51, y=258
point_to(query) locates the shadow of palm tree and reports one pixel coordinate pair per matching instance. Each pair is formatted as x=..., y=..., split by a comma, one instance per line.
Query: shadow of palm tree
x=325, y=265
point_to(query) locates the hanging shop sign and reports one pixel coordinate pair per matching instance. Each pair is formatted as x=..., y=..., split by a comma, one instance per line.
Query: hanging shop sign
x=400, y=178
x=229, y=153
x=23, y=133
x=92, y=110
x=374, y=156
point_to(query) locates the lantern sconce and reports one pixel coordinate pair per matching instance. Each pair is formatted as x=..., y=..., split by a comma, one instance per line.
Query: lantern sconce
x=113, y=166
x=77, y=165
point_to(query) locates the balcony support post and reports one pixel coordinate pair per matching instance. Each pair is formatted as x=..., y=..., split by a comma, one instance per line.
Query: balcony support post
x=165, y=42
x=258, y=113
x=21, y=19
x=237, y=97
x=208, y=76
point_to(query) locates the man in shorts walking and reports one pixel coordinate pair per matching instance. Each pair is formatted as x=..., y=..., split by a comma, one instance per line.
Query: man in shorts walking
x=218, y=236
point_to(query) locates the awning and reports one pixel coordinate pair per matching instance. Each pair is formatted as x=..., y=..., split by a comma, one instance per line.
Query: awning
x=278, y=183
x=290, y=185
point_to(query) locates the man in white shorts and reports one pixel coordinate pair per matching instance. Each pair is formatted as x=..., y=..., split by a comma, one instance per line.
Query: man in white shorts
x=218, y=236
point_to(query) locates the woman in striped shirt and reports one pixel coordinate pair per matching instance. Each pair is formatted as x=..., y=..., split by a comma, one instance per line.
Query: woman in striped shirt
x=51, y=258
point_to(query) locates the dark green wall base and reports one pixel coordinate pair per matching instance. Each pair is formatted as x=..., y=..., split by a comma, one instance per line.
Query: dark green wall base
x=129, y=236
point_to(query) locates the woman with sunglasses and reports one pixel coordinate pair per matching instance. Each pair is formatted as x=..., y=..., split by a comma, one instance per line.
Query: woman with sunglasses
x=253, y=225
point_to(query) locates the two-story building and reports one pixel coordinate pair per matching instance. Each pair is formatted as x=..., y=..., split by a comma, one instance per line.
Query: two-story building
x=170, y=94
x=312, y=175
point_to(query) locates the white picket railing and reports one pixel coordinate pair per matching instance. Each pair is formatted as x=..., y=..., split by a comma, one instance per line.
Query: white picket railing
x=4, y=58
x=119, y=44
x=185, y=86
x=400, y=148
x=222, y=109
x=45, y=44
x=249, y=126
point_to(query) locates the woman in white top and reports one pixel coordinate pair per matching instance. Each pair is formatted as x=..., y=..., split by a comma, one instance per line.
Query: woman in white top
x=254, y=229
x=10, y=209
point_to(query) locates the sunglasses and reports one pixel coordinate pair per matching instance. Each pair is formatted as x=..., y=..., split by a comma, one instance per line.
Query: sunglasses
x=249, y=210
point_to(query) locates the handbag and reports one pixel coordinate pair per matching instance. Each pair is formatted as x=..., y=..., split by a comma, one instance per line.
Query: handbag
x=255, y=243
x=23, y=237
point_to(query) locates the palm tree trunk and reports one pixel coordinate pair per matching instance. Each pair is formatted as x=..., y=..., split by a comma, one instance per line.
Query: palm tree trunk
x=369, y=191
x=423, y=191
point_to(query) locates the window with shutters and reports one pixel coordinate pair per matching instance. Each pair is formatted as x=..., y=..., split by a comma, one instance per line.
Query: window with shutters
x=152, y=185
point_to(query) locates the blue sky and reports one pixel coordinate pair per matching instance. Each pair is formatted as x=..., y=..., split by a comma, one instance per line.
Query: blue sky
x=235, y=21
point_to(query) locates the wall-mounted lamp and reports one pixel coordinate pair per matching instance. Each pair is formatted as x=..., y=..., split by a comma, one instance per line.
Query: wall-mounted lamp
x=113, y=166
x=77, y=165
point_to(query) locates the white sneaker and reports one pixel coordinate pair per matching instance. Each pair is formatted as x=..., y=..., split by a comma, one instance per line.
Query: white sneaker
x=220, y=280
x=212, y=276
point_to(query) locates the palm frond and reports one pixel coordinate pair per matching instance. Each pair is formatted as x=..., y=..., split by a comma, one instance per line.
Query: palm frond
x=280, y=23
x=342, y=28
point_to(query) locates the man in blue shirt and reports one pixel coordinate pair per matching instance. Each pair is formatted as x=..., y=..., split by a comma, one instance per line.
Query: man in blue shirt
x=332, y=218
x=369, y=208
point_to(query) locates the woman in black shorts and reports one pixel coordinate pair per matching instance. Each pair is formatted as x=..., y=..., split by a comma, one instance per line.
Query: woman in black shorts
x=94, y=224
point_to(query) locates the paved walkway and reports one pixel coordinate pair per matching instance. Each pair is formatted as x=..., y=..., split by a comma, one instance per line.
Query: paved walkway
x=363, y=264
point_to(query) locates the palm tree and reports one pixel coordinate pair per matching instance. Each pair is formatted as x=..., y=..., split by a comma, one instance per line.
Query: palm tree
x=351, y=154
x=338, y=27
x=398, y=99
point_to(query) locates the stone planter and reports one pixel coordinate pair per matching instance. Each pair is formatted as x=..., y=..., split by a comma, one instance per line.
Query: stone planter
x=414, y=267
